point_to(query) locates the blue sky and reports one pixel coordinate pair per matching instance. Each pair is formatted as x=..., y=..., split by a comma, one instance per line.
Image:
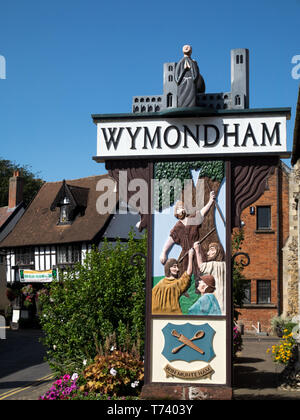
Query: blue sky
x=68, y=59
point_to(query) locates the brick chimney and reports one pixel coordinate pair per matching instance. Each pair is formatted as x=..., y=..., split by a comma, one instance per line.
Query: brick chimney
x=16, y=184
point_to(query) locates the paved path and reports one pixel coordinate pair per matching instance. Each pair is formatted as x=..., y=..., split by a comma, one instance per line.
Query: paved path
x=256, y=376
x=23, y=372
x=24, y=375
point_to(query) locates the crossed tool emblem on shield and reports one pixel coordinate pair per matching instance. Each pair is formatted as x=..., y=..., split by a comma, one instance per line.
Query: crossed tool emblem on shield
x=196, y=342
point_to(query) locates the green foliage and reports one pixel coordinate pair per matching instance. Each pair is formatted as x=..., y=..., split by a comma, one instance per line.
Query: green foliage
x=281, y=323
x=237, y=272
x=182, y=171
x=105, y=294
x=32, y=183
x=237, y=341
x=284, y=352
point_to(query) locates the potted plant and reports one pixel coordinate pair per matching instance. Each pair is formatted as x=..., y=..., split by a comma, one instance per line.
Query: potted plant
x=28, y=294
x=279, y=324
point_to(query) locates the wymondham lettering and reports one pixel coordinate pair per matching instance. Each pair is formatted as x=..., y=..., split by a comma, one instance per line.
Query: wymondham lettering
x=194, y=135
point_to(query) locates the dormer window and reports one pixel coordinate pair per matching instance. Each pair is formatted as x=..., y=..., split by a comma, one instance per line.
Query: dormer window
x=65, y=211
x=71, y=201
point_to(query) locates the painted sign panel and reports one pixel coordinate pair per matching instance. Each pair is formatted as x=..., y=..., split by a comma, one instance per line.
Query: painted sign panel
x=189, y=270
x=188, y=365
x=227, y=135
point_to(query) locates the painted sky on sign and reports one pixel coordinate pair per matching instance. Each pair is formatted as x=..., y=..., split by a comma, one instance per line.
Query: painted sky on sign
x=164, y=221
x=68, y=59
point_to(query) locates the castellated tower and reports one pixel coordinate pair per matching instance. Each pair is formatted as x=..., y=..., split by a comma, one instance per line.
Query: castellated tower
x=240, y=78
x=170, y=86
x=237, y=98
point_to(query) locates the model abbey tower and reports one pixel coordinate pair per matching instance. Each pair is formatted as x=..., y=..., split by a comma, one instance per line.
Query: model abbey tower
x=237, y=98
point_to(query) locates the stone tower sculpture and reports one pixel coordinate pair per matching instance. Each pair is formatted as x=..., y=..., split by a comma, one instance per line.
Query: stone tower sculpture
x=237, y=98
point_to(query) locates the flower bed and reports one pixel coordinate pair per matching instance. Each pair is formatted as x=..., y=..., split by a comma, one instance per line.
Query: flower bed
x=282, y=353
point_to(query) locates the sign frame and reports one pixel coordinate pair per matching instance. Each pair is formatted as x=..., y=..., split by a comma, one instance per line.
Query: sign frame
x=195, y=114
x=151, y=388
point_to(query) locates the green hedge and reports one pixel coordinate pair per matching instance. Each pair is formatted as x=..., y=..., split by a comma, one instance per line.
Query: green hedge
x=104, y=296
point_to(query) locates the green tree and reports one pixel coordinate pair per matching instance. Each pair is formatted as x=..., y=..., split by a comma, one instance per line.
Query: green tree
x=32, y=183
x=239, y=284
x=102, y=297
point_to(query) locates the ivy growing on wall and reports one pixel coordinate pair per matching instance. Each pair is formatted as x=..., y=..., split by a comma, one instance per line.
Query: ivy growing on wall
x=166, y=172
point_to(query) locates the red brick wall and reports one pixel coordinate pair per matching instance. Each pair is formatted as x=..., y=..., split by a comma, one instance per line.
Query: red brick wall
x=262, y=249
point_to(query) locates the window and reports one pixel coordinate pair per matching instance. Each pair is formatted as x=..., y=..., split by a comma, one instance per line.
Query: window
x=263, y=217
x=69, y=254
x=239, y=59
x=169, y=100
x=247, y=299
x=238, y=100
x=263, y=291
x=65, y=212
x=25, y=256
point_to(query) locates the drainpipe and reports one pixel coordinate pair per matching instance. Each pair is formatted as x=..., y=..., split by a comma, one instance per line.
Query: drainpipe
x=298, y=229
x=279, y=219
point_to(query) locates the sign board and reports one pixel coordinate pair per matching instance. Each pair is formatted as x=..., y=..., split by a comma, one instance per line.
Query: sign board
x=189, y=327
x=189, y=306
x=208, y=148
x=165, y=137
x=32, y=276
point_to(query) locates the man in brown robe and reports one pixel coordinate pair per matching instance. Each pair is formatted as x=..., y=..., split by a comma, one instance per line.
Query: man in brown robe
x=186, y=231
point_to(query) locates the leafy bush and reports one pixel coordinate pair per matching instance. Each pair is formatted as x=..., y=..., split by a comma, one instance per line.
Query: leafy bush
x=237, y=341
x=284, y=351
x=105, y=294
x=280, y=323
x=239, y=284
x=116, y=374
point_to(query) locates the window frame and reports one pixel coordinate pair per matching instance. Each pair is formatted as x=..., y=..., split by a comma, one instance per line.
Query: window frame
x=259, y=291
x=24, y=256
x=247, y=300
x=261, y=228
x=73, y=250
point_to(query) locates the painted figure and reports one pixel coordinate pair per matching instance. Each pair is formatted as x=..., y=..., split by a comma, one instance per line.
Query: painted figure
x=188, y=79
x=207, y=304
x=186, y=232
x=214, y=266
x=166, y=294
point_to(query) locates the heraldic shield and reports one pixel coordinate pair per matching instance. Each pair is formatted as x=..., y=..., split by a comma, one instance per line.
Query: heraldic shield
x=188, y=342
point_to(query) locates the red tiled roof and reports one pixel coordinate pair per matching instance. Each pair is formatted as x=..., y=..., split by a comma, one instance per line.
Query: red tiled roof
x=38, y=225
x=4, y=215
